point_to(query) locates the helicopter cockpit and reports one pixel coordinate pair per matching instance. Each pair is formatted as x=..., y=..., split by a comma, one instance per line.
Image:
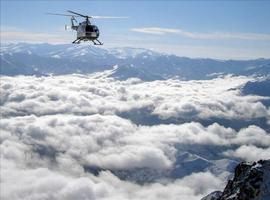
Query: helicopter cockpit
x=91, y=29
x=87, y=30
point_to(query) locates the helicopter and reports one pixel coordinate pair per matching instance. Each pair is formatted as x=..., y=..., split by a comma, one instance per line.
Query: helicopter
x=85, y=30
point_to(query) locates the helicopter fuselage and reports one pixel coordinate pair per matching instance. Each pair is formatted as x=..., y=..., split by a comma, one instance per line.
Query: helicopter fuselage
x=87, y=31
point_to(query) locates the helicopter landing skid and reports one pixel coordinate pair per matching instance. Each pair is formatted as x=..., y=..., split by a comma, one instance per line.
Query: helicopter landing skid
x=99, y=43
x=96, y=41
x=77, y=41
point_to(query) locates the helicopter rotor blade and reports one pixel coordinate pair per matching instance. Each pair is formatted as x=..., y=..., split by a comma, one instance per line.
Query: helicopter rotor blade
x=78, y=14
x=108, y=17
x=86, y=16
x=97, y=17
x=61, y=14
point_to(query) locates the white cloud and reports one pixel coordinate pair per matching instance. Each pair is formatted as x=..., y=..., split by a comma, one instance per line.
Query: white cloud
x=203, y=36
x=11, y=34
x=42, y=183
x=84, y=95
x=249, y=153
x=253, y=135
x=156, y=30
x=54, y=130
x=129, y=157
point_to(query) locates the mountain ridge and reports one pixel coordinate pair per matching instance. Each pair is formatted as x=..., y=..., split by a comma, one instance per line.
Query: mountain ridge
x=251, y=181
x=147, y=65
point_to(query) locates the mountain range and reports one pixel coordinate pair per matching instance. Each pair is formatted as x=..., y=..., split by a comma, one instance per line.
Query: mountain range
x=126, y=62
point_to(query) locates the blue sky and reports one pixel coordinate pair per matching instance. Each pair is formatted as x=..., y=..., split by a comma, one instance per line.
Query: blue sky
x=216, y=29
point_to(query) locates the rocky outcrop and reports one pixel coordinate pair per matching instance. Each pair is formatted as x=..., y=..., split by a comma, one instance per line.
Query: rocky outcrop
x=251, y=182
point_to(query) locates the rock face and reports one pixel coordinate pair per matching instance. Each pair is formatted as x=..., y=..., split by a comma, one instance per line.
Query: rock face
x=251, y=182
x=213, y=196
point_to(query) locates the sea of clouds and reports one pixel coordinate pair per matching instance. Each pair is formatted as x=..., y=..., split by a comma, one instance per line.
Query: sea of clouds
x=56, y=130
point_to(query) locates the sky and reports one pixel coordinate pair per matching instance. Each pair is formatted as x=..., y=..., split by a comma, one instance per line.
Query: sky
x=215, y=29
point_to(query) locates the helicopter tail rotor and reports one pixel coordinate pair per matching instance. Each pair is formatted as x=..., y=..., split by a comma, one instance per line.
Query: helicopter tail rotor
x=67, y=27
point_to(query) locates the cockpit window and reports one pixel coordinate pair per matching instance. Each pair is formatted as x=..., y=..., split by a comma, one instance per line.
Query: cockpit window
x=89, y=29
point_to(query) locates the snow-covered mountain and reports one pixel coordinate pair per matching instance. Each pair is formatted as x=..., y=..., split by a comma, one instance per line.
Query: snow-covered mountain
x=260, y=87
x=42, y=59
x=251, y=181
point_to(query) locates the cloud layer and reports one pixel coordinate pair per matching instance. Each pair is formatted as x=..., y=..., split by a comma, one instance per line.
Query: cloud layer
x=203, y=36
x=56, y=131
x=83, y=95
x=12, y=34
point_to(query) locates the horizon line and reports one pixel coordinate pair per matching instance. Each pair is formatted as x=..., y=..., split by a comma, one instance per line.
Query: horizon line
x=149, y=49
